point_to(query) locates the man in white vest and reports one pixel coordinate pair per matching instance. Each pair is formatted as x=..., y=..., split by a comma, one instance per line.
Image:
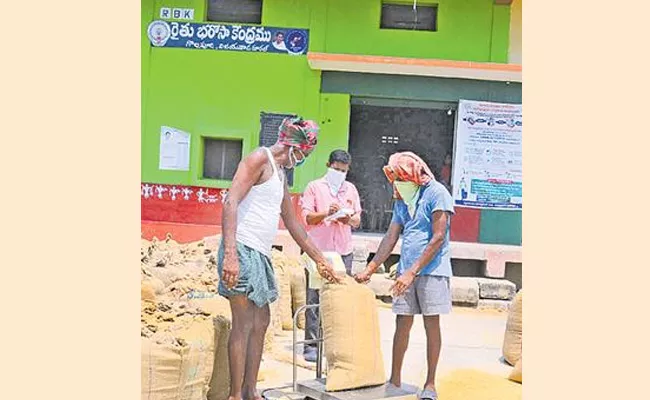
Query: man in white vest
x=258, y=197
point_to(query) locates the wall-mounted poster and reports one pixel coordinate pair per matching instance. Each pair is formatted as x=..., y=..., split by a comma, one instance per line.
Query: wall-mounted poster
x=487, y=169
x=174, y=149
x=190, y=35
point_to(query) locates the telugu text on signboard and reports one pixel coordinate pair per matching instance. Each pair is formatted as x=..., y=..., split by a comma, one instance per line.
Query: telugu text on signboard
x=207, y=36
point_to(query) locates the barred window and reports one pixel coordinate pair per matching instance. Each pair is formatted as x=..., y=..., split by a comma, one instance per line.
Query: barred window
x=235, y=11
x=406, y=17
x=221, y=158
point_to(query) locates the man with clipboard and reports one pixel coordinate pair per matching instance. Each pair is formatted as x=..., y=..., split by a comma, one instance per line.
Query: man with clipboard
x=331, y=208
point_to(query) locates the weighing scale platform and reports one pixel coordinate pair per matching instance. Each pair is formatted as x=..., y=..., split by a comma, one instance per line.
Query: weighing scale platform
x=315, y=389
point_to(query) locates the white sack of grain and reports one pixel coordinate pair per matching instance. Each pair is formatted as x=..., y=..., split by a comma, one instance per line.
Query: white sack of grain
x=183, y=371
x=512, y=340
x=220, y=381
x=281, y=266
x=517, y=372
x=298, y=292
x=351, y=334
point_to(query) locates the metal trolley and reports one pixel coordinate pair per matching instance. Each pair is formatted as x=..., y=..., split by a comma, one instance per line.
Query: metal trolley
x=315, y=389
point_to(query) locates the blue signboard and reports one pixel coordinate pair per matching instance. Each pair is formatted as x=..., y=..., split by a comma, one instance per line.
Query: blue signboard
x=262, y=39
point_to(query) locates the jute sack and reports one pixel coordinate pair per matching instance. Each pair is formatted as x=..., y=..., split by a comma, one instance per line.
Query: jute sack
x=166, y=275
x=284, y=302
x=275, y=327
x=171, y=372
x=156, y=284
x=512, y=340
x=516, y=373
x=351, y=335
x=281, y=266
x=276, y=318
x=220, y=382
x=147, y=291
x=213, y=303
x=298, y=293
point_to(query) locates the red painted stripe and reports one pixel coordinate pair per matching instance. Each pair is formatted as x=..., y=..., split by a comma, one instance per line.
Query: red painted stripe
x=199, y=215
x=465, y=225
x=187, y=204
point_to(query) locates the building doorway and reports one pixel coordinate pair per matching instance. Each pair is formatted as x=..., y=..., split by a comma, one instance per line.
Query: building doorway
x=376, y=132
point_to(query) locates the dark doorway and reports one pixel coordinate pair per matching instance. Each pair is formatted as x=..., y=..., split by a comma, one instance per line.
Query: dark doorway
x=376, y=132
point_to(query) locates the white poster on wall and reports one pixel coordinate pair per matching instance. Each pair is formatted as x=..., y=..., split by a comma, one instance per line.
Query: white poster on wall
x=174, y=149
x=487, y=162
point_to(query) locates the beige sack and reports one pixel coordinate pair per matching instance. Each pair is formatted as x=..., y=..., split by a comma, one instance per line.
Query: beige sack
x=275, y=327
x=516, y=373
x=213, y=303
x=351, y=333
x=284, y=302
x=166, y=275
x=220, y=382
x=276, y=318
x=171, y=372
x=147, y=291
x=512, y=340
x=280, y=263
x=269, y=336
x=298, y=293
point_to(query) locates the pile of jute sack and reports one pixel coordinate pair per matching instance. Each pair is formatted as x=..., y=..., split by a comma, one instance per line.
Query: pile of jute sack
x=185, y=324
x=513, y=338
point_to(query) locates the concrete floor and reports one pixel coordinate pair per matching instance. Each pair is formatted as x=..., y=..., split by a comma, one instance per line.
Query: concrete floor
x=471, y=339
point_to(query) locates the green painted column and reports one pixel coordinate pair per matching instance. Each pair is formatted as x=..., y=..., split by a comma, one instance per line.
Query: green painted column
x=335, y=128
x=500, y=34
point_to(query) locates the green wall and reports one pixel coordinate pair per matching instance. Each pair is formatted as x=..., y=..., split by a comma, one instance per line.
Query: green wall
x=465, y=31
x=220, y=93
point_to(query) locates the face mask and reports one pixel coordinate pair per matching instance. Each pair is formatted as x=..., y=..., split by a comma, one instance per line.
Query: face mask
x=408, y=192
x=335, y=180
x=294, y=161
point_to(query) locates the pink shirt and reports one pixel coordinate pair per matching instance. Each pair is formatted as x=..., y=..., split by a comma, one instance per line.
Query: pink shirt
x=330, y=236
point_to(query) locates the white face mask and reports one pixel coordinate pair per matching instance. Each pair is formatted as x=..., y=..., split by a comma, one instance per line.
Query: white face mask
x=335, y=180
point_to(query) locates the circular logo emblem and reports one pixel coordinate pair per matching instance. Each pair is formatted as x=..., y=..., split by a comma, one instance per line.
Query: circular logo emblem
x=296, y=42
x=158, y=33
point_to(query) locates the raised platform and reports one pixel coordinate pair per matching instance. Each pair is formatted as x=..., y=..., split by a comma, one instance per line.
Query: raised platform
x=495, y=256
x=315, y=389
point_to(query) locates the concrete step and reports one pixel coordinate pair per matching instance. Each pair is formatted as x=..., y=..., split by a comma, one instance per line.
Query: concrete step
x=496, y=289
x=496, y=305
x=464, y=291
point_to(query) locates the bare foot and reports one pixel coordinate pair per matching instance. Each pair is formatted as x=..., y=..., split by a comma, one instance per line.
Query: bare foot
x=252, y=396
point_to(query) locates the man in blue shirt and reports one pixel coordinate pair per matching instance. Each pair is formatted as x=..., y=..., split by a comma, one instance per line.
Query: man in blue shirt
x=422, y=213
